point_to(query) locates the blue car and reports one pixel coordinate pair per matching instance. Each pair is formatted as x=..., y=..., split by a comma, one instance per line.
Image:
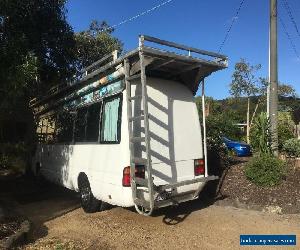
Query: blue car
x=238, y=148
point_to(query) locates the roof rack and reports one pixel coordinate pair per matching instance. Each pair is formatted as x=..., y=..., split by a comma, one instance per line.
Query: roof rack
x=188, y=69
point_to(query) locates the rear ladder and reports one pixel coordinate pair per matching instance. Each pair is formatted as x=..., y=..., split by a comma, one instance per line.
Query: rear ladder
x=141, y=205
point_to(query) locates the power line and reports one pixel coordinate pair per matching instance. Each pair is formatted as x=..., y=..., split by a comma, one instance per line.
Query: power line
x=290, y=38
x=289, y=11
x=139, y=15
x=231, y=25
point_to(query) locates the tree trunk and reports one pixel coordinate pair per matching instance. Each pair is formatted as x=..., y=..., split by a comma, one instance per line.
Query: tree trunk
x=248, y=120
x=254, y=113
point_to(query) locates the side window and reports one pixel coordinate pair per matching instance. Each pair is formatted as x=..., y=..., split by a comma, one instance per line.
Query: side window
x=111, y=121
x=87, y=123
x=92, y=125
x=80, y=125
x=64, y=126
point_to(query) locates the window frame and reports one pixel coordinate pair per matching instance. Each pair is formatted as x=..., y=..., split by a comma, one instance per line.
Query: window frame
x=119, y=121
x=74, y=123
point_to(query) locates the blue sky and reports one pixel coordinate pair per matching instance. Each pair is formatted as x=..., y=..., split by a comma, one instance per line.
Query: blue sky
x=202, y=24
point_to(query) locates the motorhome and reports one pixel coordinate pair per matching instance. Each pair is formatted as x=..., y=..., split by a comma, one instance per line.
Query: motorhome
x=127, y=132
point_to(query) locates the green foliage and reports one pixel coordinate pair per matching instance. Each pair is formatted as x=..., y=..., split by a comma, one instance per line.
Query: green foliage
x=286, y=90
x=260, y=137
x=37, y=46
x=292, y=147
x=219, y=123
x=13, y=156
x=285, y=128
x=265, y=170
x=94, y=43
x=219, y=126
x=244, y=82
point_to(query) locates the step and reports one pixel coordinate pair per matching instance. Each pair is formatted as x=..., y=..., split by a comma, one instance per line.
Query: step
x=141, y=161
x=136, y=97
x=137, y=139
x=136, y=118
x=142, y=203
x=130, y=78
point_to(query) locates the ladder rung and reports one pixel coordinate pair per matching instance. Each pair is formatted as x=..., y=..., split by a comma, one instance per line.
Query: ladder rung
x=142, y=203
x=130, y=78
x=136, y=118
x=141, y=182
x=137, y=139
x=141, y=161
x=133, y=98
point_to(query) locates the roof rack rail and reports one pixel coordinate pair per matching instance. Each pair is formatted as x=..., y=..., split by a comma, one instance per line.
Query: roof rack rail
x=83, y=74
x=183, y=47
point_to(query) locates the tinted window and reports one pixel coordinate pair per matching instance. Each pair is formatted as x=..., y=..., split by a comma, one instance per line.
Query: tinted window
x=64, y=126
x=80, y=125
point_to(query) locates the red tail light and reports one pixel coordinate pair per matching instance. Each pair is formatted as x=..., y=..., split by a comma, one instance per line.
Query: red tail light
x=139, y=172
x=126, y=177
x=199, y=167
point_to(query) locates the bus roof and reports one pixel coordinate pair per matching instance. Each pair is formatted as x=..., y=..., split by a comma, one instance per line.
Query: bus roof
x=189, y=68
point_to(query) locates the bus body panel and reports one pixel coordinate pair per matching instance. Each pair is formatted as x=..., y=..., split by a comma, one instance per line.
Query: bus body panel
x=175, y=139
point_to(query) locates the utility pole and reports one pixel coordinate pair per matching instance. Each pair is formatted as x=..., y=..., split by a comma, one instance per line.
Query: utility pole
x=273, y=96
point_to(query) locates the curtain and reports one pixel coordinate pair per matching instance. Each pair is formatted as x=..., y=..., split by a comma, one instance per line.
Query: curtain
x=110, y=121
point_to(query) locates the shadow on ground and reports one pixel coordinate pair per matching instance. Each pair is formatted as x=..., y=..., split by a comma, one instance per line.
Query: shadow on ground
x=41, y=203
x=37, y=202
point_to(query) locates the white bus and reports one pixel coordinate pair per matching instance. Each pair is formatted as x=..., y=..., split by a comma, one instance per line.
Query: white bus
x=127, y=132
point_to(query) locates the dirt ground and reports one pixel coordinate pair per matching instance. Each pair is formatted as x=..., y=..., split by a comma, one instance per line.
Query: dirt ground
x=59, y=223
x=286, y=195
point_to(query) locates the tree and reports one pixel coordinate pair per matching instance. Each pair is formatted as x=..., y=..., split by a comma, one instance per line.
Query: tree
x=36, y=52
x=37, y=46
x=245, y=83
x=284, y=90
x=94, y=43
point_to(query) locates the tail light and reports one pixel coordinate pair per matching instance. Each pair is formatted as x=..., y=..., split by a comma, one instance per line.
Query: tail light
x=199, y=167
x=139, y=172
x=126, y=177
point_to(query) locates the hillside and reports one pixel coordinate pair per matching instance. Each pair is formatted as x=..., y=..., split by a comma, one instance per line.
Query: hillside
x=235, y=108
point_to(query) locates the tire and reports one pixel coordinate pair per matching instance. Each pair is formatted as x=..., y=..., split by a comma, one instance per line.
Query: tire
x=89, y=203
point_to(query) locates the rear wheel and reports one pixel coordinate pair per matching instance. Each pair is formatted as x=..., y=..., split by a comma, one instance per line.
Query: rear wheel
x=88, y=202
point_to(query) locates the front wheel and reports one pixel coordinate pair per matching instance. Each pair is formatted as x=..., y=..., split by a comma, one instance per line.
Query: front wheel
x=88, y=202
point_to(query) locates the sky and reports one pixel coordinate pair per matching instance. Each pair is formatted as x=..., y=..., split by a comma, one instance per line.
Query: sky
x=202, y=24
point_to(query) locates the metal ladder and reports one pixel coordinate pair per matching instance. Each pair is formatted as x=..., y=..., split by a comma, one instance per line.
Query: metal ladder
x=142, y=206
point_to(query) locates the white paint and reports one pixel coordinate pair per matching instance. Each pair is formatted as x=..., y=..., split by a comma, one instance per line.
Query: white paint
x=175, y=143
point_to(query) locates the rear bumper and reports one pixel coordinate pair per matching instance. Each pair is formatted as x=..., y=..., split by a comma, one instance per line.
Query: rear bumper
x=177, y=197
x=187, y=182
x=191, y=195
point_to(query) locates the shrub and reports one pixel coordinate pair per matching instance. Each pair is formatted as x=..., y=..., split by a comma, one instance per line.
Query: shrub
x=265, y=170
x=219, y=126
x=13, y=156
x=292, y=147
x=285, y=128
x=260, y=137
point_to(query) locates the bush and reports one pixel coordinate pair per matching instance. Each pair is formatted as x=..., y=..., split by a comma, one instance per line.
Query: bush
x=260, y=137
x=13, y=156
x=219, y=126
x=292, y=147
x=285, y=128
x=265, y=170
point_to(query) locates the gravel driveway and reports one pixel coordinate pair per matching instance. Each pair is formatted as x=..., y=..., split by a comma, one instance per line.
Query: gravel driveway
x=60, y=224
